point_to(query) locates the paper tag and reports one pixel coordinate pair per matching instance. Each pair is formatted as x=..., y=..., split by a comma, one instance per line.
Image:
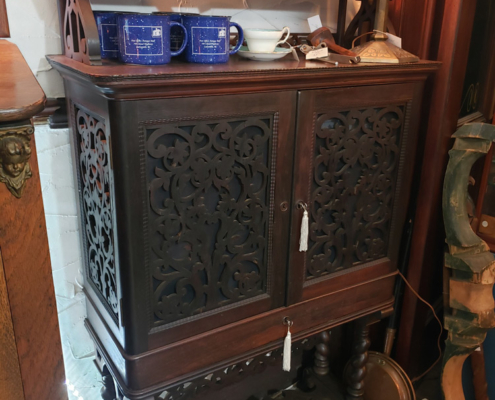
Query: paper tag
x=395, y=40
x=314, y=23
x=294, y=53
x=320, y=53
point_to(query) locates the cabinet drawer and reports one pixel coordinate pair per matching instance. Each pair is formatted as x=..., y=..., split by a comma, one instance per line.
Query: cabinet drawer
x=353, y=170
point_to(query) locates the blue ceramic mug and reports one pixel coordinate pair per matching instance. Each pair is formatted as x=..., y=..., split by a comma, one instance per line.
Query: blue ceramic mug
x=145, y=38
x=209, y=39
x=176, y=33
x=106, y=21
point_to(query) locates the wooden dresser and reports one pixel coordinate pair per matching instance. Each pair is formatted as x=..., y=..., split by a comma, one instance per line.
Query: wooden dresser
x=192, y=180
x=31, y=363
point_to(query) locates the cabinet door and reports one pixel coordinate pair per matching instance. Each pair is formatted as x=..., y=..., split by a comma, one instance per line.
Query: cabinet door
x=353, y=168
x=216, y=193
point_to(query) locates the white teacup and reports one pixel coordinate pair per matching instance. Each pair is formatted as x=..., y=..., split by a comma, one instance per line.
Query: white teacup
x=264, y=40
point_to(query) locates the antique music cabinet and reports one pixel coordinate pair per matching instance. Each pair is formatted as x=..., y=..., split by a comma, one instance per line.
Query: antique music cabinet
x=191, y=185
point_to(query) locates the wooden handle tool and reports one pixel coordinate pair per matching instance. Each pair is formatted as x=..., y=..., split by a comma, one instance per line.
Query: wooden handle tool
x=323, y=35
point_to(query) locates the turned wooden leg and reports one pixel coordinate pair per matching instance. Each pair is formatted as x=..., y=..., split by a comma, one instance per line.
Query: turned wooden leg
x=322, y=364
x=108, y=390
x=359, y=358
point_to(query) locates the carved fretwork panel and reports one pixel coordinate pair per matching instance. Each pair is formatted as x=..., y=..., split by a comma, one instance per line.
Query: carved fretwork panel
x=210, y=216
x=354, y=174
x=231, y=375
x=96, y=186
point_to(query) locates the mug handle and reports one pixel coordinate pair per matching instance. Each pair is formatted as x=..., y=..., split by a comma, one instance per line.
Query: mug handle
x=286, y=28
x=184, y=43
x=241, y=38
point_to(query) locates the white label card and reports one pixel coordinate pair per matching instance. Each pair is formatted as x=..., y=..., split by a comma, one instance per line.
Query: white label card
x=294, y=54
x=320, y=53
x=395, y=40
x=314, y=23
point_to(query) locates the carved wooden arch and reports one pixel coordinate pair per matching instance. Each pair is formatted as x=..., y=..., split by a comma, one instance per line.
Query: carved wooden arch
x=470, y=312
x=80, y=33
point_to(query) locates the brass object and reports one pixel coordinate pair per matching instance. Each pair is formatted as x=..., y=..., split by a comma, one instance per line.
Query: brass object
x=385, y=379
x=15, y=152
x=389, y=341
x=379, y=50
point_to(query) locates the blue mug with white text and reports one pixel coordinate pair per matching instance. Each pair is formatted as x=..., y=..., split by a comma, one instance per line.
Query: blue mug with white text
x=106, y=21
x=209, y=39
x=176, y=33
x=145, y=38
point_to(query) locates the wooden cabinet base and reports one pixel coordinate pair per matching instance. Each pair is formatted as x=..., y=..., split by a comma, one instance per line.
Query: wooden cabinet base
x=146, y=374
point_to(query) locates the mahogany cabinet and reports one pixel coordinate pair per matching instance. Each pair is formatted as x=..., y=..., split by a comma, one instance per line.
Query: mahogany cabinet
x=191, y=185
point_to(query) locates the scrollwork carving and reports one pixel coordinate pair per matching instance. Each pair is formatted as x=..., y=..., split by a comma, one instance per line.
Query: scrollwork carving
x=210, y=221
x=96, y=186
x=356, y=159
x=224, y=377
x=15, y=152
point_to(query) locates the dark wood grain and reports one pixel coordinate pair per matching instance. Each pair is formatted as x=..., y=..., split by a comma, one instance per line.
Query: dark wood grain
x=28, y=273
x=80, y=39
x=414, y=23
x=22, y=96
x=10, y=373
x=357, y=364
x=224, y=346
x=178, y=79
x=4, y=20
x=170, y=138
x=353, y=267
x=454, y=32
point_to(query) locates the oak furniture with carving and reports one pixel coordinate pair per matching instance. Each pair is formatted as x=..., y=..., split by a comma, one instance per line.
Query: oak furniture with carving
x=31, y=363
x=192, y=180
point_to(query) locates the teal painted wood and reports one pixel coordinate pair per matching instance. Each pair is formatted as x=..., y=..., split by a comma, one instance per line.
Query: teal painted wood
x=470, y=312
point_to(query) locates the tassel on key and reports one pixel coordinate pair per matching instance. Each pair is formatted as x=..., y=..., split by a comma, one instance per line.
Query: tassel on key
x=303, y=241
x=287, y=347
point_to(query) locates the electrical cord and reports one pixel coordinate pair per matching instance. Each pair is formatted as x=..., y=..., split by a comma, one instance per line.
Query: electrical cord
x=439, y=323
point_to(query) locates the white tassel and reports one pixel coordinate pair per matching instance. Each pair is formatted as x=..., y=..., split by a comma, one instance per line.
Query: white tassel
x=287, y=350
x=303, y=241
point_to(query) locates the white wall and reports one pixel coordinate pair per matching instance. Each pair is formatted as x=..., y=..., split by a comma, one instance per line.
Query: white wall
x=34, y=27
x=34, y=24
x=59, y=199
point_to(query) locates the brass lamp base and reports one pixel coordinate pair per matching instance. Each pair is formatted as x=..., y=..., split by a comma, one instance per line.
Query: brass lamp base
x=381, y=51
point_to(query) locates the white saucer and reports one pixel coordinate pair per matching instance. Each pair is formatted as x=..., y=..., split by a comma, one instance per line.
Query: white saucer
x=278, y=53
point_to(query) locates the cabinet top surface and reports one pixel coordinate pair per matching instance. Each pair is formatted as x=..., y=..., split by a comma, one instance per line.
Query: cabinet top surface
x=21, y=95
x=238, y=75
x=116, y=71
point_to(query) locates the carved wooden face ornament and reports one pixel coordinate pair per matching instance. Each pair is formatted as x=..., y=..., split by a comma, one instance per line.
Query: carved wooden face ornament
x=14, y=155
x=14, y=163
